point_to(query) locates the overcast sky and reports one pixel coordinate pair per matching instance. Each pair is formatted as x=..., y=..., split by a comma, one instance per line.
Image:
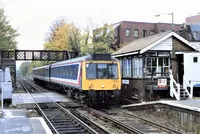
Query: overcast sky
x=33, y=18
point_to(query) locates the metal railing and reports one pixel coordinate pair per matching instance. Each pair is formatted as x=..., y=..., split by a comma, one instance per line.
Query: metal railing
x=174, y=87
x=186, y=83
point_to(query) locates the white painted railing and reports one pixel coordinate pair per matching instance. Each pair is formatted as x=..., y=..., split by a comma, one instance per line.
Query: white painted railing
x=174, y=87
x=186, y=83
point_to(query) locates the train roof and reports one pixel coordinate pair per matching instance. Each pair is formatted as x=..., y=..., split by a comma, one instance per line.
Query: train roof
x=45, y=66
x=104, y=57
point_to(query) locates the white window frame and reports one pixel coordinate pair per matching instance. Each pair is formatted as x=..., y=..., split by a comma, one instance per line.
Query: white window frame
x=137, y=67
x=157, y=67
x=126, y=67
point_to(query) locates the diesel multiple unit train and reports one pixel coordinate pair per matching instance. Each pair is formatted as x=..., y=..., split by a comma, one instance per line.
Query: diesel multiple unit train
x=93, y=78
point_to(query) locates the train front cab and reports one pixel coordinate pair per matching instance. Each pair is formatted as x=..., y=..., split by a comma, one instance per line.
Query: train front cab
x=102, y=79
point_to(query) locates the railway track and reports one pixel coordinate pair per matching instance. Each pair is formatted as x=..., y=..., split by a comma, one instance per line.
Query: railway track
x=31, y=87
x=131, y=123
x=28, y=87
x=73, y=120
x=59, y=119
x=62, y=121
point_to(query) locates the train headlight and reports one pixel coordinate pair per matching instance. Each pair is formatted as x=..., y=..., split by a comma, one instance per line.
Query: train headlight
x=102, y=86
x=91, y=86
x=114, y=86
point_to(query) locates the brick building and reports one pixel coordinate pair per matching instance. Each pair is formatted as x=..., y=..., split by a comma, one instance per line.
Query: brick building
x=193, y=19
x=128, y=31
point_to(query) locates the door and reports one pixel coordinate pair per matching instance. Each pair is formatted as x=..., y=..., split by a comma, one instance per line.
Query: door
x=180, y=68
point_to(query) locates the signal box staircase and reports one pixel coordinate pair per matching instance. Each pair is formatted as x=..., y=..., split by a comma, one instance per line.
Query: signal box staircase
x=180, y=92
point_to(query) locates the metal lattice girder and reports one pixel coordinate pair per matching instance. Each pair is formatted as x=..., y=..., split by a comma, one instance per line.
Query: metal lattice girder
x=7, y=55
x=37, y=55
x=73, y=54
x=41, y=55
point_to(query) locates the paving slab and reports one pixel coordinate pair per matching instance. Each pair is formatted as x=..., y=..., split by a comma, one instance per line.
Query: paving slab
x=190, y=104
x=21, y=98
x=15, y=122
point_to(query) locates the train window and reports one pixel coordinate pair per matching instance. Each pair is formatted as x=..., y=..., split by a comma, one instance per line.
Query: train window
x=61, y=72
x=102, y=71
x=64, y=72
x=67, y=71
x=56, y=72
x=75, y=71
x=113, y=73
x=70, y=71
x=91, y=71
x=52, y=72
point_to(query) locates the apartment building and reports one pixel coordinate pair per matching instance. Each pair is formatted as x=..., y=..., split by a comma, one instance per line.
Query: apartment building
x=128, y=31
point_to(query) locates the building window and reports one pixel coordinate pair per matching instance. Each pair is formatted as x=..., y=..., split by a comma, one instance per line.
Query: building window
x=121, y=61
x=137, y=67
x=151, y=63
x=163, y=66
x=152, y=32
x=128, y=33
x=136, y=33
x=157, y=66
x=163, y=54
x=144, y=33
x=195, y=34
x=151, y=53
x=126, y=67
x=195, y=59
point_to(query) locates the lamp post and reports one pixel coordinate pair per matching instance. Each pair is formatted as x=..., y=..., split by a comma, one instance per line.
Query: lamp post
x=172, y=14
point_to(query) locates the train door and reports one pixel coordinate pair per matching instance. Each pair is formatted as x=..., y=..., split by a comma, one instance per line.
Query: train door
x=50, y=73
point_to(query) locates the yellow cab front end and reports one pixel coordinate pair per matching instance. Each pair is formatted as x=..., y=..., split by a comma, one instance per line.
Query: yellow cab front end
x=101, y=76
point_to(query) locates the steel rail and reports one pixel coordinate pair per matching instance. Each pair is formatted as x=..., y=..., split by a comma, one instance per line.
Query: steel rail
x=118, y=123
x=43, y=114
x=154, y=124
x=89, y=121
x=64, y=110
x=80, y=121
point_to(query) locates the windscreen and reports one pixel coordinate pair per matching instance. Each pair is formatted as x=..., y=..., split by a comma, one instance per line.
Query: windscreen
x=101, y=71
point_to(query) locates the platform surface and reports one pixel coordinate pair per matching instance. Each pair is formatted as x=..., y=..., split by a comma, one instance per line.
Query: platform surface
x=21, y=98
x=190, y=104
x=15, y=122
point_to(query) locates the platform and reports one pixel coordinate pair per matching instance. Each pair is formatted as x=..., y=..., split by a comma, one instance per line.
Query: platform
x=15, y=122
x=190, y=104
x=21, y=98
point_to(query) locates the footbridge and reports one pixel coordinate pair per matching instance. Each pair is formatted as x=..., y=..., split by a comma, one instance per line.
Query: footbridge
x=9, y=58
